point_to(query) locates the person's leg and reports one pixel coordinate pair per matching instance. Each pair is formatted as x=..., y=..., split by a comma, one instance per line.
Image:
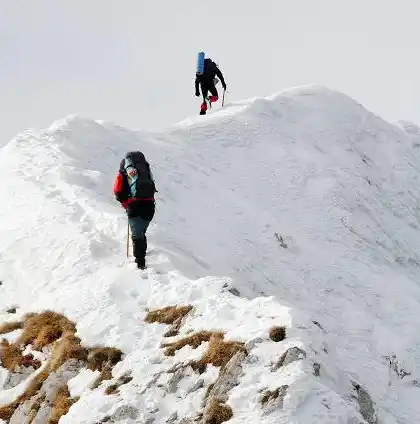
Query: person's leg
x=214, y=94
x=204, y=91
x=138, y=235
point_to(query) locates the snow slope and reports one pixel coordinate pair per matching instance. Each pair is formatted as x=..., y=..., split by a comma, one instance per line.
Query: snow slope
x=305, y=196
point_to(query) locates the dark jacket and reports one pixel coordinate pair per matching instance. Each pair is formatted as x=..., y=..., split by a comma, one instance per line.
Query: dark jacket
x=206, y=79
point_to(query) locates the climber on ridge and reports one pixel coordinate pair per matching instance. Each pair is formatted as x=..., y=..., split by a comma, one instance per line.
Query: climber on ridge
x=135, y=188
x=205, y=77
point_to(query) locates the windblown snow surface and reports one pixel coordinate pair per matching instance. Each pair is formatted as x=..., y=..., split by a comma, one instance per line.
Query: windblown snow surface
x=305, y=202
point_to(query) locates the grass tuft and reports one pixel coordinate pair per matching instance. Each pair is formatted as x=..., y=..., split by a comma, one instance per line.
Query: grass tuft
x=194, y=341
x=61, y=405
x=218, y=413
x=11, y=357
x=167, y=315
x=171, y=315
x=218, y=353
x=277, y=334
x=44, y=328
x=8, y=327
x=100, y=356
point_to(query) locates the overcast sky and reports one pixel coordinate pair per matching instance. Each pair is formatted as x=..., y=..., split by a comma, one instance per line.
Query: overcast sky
x=133, y=61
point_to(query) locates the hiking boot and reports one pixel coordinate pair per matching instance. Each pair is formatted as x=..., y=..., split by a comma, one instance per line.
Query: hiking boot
x=141, y=263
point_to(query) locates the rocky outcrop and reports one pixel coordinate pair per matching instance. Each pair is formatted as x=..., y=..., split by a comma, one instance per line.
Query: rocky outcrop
x=291, y=355
x=37, y=409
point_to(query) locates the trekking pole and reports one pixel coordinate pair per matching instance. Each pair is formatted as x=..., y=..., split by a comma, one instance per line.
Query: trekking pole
x=128, y=238
x=223, y=100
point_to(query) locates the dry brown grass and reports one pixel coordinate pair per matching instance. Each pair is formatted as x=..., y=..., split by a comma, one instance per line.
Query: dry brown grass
x=194, y=341
x=218, y=413
x=8, y=327
x=11, y=357
x=167, y=315
x=7, y=411
x=171, y=315
x=111, y=389
x=277, y=334
x=103, y=359
x=100, y=356
x=61, y=405
x=67, y=348
x=44, y=328
x=106, y=374
x=218, y=353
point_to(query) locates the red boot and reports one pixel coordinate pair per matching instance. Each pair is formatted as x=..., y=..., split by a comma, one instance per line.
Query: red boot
x=203, y=109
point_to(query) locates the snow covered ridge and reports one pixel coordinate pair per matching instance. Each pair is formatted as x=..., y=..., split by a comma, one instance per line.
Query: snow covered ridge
x=220, y=357
x=305, y=196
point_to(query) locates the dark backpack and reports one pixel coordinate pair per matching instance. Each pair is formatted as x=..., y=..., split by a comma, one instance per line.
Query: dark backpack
x=209, y=67
x=138, y=179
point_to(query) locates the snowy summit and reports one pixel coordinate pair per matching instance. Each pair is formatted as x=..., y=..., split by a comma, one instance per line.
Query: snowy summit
x=282, y=270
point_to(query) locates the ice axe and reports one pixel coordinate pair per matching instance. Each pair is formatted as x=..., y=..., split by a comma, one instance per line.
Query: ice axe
x=128, y=238
x=223, y=99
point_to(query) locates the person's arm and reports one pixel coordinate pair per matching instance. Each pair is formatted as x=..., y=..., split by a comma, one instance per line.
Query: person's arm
x=220, y=76
x=118, y=190
x=197, y=90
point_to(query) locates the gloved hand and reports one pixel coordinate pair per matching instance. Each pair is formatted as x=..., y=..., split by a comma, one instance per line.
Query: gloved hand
x=224, y=86
x=197, y=93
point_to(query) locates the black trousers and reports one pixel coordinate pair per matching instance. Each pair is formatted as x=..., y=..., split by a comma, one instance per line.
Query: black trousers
x=205, y=88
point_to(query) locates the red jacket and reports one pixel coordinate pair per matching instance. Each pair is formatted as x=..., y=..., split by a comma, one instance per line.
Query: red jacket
x=118, y=187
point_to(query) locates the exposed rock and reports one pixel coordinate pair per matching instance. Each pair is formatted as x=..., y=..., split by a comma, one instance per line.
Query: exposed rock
x=174, y=380
x=199, y=384
x=125, y=412
x=318, y=325
x=367, y=408
x=252, y=359
x=291, y=355
x=186, y=421
x=59, y=378
x=273, y=400
x=234, y=291
x=43, y=413
x=227, y=380
x=15, y=378
x=249, y=345
x=22, y=414
x=48, y=392
x=172, y=418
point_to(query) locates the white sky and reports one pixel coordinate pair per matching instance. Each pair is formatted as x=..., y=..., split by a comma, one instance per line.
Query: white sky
x=133, y=61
